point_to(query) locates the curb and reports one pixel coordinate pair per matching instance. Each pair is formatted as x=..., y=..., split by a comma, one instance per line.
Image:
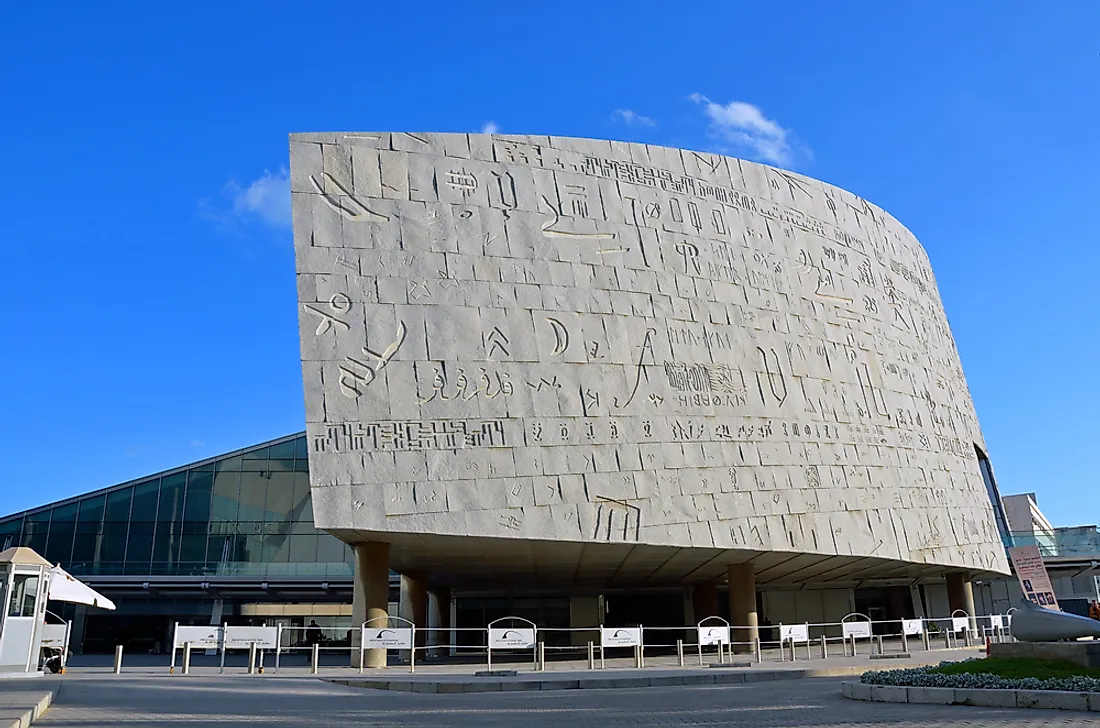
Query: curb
x=24, y=713
x=593, y=683
x=985, y=698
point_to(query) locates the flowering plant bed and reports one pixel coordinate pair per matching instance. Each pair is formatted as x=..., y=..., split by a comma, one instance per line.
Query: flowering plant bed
x=992, y=674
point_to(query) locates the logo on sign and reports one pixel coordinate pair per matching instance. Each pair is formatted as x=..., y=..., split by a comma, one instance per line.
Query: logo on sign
x=387, y=638
x=620, y=637
x=512, y=638
x=714, y=635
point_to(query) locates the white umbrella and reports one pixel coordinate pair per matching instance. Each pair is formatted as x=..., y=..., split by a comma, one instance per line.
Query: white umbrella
x=64, y=588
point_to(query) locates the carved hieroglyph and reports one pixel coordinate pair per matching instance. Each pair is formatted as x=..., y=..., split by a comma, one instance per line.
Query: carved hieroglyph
x=581, y=340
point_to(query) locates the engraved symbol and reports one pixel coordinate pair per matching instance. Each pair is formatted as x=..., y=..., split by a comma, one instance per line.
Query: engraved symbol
x=354, y=210
x=577, y=202
x=870, y=304
x=647, y=346
x=506, y=189
x=462, y=181
x=561, y=336
x=356, y=372
x=418, y=290
x=592, y=348
x=693, y=216
x=617, y=520
x=340, y=304
x=793, y=183
x=350, y=265
x=689, y=253
x=652, y=210
x=711, y=164
x=718, y=221
x=510, y=522
x=611, y=251
x=520, y=153
x=589, y=399
x=545, y=383
x=776, y=380
x=549, y=228
x=496, y=341
x=656, y=399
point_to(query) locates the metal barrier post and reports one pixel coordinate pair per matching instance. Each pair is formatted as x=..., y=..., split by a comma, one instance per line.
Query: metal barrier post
x=966, y=637
x=542, y=656
x=853, y=645
x=591, y=656
x=251, y=658
x=794, y=653
x=221, y=646
x=700, y=648
x=278, y=645
x=756, y=649
x=186, y=658
x=641, y=654
x=808, y=655
x=925, y=643
x=904, y=640
x=824, y=648
x=602, y=664
x=412, y=654
x=118, y=659
x=881, y=649
x=680, y=652
x=947, y=639
x=315, y=658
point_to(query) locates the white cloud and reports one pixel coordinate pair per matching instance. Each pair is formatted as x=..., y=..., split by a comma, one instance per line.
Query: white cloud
x=630, y=118
x=745, y=126
x=490, y=127
x=266, y=198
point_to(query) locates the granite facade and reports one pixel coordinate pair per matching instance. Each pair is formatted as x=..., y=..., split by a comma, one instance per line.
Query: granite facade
x=523, y=337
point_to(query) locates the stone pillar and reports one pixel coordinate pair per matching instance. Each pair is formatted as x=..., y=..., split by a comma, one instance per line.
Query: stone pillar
x=960, y=595
x=704, y=598
x=742, y=586
x=414, y=603
x=370, y=596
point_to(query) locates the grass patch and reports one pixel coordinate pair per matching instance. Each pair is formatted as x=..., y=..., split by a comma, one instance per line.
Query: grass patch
x=1016, y=668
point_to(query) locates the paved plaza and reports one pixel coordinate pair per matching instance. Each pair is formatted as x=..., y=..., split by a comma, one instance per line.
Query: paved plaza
x=94, y=700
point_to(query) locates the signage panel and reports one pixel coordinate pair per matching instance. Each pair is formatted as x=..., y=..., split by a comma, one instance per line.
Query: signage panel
x=620, y=636
x=958, y=624
x=794, y=633
x=912, y=626
x=239, y=638
x=719, y=635
x=202, y=638
x=857, y=629
x=512, y=638
x=388, y=638
x=996, y=621
x=1034, y=580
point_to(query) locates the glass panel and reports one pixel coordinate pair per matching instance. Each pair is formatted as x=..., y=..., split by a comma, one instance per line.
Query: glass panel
x=171, y=497
x=91, y=510
x=24, y=595
x=283, y=450
x=330, y=550
x=277, y=466
x=260, y=454
x=118, y=506
x=223, y=502
x=166, y=543
x=192, y=552
x=199, y=486
x=280, y=498
x=301, y=450
x=35, y=529
x=86, y=550
x=145, y=501
x=228, y=464
x=301, y=465
x=139, y=547
x=253, y=496
x=10, y=531
x=65, y=513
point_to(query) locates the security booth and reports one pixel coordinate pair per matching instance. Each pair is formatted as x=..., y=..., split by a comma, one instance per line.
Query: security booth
x=24, y=587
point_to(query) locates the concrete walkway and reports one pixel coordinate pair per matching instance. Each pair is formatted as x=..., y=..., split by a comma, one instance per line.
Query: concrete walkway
x=22, y=701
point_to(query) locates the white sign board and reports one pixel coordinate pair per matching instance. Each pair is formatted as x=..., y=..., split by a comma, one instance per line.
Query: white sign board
x=794, y=633
x=857, y=629
x=240, y=638
x=912, y=626
x=995, y=621
x=512, y=638
x=620, y=636
x=958, y=624
x=388, y=638
x=201, y=638
x=53, y=635
x=714, y=635
x=1033, y=576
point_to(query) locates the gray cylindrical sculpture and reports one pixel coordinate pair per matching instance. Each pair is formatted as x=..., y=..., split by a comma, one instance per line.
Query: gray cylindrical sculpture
x=1033, y=623
x=584, y=342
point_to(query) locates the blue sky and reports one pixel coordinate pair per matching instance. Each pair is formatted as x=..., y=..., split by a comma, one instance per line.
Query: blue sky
x=149, y=297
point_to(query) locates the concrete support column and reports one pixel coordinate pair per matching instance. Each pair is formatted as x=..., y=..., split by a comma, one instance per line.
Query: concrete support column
x=704, y=599
x=742, y=586
x=370, y=596
x=441, y=610
x=414, y=603
x=960, y=595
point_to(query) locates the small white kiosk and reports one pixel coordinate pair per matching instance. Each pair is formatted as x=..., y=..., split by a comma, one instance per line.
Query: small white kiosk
x=24, y=587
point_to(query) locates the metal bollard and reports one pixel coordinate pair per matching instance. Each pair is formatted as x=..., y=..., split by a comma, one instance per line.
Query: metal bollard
x=947, y=639
x=591, y=656
x=794, y=655
x=680, y=653
x=853, y=645
x=542, y=656
x=186, y=658
x=641, y=655
x=966, y=638
x=904, y=641
x=756, y=648
x=824, y=648
x=118, y=659
x=251, y=658
x=881, y=649
x=315, y=658
x=925, y=642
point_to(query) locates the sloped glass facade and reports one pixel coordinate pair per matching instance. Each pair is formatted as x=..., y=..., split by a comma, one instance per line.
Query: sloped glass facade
x=245, y=514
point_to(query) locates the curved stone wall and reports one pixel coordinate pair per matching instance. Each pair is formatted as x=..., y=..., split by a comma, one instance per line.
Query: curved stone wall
x=592, y=341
